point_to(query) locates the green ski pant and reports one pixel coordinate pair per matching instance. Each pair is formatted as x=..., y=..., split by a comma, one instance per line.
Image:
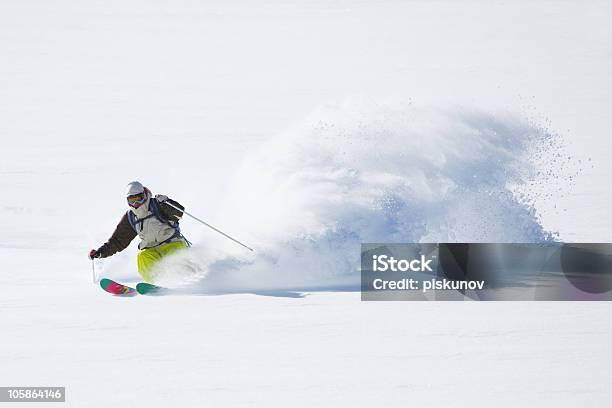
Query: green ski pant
x=148, y=257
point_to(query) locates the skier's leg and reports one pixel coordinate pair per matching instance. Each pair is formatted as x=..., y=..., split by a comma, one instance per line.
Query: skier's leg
x=147, y=258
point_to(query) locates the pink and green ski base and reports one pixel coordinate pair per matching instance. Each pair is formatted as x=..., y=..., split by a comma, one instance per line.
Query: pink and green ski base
x=119, y=289
x=116, y=288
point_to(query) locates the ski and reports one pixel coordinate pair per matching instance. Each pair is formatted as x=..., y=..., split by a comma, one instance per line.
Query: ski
x=116, y=288
x=149, y=289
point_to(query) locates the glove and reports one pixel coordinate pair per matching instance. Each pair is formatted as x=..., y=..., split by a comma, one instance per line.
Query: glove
x=94, y=253
x=161, y=198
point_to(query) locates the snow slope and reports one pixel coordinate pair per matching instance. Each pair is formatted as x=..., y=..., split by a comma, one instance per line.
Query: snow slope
x=302, y=128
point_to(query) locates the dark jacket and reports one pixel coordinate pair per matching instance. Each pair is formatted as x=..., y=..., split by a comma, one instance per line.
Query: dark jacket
x=124, y=233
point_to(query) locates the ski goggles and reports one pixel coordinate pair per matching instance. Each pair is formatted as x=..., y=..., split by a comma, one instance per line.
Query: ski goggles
x=136, y=200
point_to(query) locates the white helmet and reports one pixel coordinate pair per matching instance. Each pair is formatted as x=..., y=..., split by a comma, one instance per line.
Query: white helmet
x=135, y=187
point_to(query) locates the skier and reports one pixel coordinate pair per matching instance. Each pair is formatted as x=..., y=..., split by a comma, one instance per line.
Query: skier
x=155, y=221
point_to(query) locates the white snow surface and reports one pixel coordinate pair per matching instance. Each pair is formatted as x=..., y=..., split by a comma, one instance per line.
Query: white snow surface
x=302, y=128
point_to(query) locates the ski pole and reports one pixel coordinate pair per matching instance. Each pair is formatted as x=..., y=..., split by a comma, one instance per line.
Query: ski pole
x=208, y=225
x=93, y=271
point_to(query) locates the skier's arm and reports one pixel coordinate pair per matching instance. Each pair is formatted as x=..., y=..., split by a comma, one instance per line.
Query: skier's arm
x=170, y=212
x=121, y=238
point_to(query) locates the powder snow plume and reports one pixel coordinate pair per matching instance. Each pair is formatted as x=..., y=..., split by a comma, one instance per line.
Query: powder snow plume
x=353, y=173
